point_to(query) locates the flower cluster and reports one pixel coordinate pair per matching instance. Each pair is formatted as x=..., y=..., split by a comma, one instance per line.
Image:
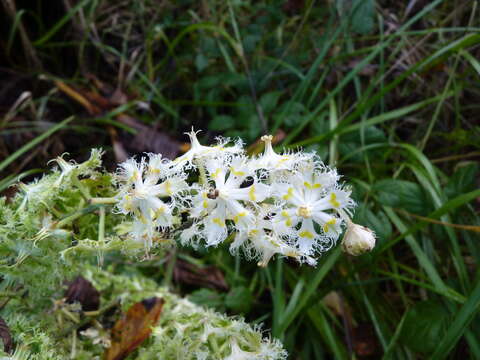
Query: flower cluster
x=288, y=204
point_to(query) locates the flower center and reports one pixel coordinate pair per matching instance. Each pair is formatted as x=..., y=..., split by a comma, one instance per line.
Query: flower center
x=305, y=212
x=213, y=194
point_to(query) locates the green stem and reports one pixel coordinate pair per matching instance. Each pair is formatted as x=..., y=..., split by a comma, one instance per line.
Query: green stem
x=70, y=218
x=83, y=189
x=169, y=273
x=101, y=235
x=103, y=201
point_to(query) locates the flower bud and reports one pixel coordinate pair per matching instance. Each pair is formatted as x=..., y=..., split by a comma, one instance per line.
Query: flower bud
x=358, y=239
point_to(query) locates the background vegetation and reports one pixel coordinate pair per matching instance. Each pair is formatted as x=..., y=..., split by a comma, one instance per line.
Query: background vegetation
x=387, y=91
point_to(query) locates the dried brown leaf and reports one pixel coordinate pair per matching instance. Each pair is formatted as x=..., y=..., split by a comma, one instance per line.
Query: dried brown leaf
x=152, y=140
x=365, y=343
x=6, y=336
x=82, y=291
x=78, y=97
x=133, y=328
x=209, y=276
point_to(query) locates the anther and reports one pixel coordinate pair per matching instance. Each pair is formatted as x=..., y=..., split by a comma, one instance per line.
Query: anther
x=213, y=194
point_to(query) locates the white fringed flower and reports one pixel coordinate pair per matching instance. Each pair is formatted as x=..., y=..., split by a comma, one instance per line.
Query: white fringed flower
x=224, y=199
x=273, y=162
x=261, y=242
x=198, y=151
x=149, y=192
x=311, y=201
x=291, y=204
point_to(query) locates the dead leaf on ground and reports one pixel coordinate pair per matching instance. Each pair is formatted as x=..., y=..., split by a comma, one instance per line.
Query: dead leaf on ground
x=82, y=291
x=133, y=328
x=147, y=138
x=6, y=336
x=79, y=97
x=365, y=343
x=151, y=140
x=209, y=276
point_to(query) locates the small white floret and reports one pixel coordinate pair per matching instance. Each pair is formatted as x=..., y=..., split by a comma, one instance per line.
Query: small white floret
x=358, y=239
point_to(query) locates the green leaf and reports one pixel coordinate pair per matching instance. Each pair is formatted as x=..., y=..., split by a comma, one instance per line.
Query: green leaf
x=372, y=134
x=208, y=298
x=291, y=112
x=378, y=222
x=363, y=16
x=463, y=180
x=402, y=194
x=269, y=101
x=221, y=123
x=460, y=323
x=239, y=299
x=424, y=325
x=201, y=62
x=34, y=143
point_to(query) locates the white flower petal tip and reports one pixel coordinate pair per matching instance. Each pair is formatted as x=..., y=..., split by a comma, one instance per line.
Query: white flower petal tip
x=358, y=240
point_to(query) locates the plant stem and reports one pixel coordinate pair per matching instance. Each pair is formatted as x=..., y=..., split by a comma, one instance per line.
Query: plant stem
x=103, y=201
x=82, y=188
x=101, y=235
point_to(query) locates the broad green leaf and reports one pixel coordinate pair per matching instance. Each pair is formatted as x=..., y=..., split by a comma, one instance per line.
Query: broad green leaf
x=209, y=298
x=463, y=180
x=459, y=325
x=239, y=299
x=269, y=101
x=201, y=62
x=424, y=325
x=378, y=222
x=363, y=16
x=402, y=194
x=221, y=123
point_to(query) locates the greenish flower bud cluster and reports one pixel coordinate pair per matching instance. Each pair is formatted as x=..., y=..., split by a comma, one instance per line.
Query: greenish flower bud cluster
x=185, y=330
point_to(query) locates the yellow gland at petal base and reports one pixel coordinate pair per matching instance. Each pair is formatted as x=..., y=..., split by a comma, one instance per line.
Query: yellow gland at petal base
x=288, y=220
x=326, y=227
x=251, y=193
x=235, y=172
x=239, y=215
x=306, y=234
x=289, y=194
x=333, y=200
x=218, y=222
x=312, y=186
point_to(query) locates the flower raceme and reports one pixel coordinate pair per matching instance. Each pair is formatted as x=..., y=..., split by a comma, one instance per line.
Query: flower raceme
x=287, y=204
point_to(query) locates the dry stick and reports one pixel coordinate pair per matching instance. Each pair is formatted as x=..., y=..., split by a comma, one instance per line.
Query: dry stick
x=473, y=228
x=455, y=157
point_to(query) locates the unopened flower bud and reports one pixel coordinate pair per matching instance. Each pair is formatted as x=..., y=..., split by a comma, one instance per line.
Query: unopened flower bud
x=358, y=239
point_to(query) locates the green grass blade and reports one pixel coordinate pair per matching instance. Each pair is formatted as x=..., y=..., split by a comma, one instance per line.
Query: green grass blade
x=34, y=143
x=56, y=28
x=11, y=179
x=422, y=258
x=445, y=209
x=323, y=270
x=460, y=323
